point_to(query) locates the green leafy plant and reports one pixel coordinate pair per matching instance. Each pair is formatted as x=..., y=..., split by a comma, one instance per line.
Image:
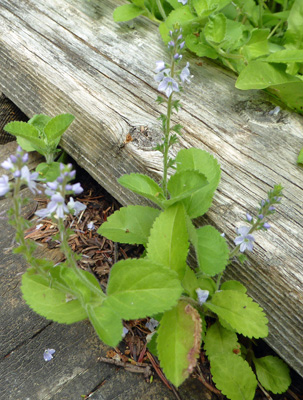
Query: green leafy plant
x=42, y=134
x=194, y=308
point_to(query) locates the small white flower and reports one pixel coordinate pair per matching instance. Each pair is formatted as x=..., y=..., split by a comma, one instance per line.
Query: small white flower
x=76, y=207
x=202, y=295
x=91, y=226
x=4, y=185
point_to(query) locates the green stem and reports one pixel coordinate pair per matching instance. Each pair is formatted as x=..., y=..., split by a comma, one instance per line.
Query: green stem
x=161, y=9
x=166, y=145
x=274, y=30
x=72, y=262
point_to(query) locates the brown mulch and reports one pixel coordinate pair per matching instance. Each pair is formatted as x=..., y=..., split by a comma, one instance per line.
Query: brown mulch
x=98, y=256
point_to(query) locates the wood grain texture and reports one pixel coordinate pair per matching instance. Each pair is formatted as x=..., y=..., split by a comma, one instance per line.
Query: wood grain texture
x=69, y=56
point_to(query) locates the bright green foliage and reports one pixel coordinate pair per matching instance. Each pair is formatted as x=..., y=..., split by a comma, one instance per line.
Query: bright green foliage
x=137, y=288
x=143, y=185
x=220, y=341
x=168, y=244
x=48, y=172
x=239, y=310
x=212, y=250
x=130, y=224
x=272, y=373
x=233, y=376
x=190, y=282
x=49, y=302
x=106, y=322
x=182, y=185
x=233, y=285
x=300, y=157
x=206, y=164
x=41, y=133
x=127, y=12
x=178, y=356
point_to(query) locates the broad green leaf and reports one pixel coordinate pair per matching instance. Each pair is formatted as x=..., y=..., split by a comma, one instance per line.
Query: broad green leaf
x=260, y=75
x=175, y=3
x=182, y=16
x=199, y=46
x=183, y=184
x=233, y=285
x=143, y=185
x=291, y=94
x=179, y=340
x=25, y=144
x=300, y=157
x=55, y=128
x=140, y=287
x=285, y=56
x=152, y=344
x=294, y=33
x=233, y=376
x=272, y=373
x=205, y=163
x=127, y=12
x=138, y=3
x=257, y=45
x=26, y=131
x=39, y=121
x=48, y=172
x=207, y=283
x=215, y=29
x=207, y=7
x=168, y=241
x=212, y=251
x=107, y=323
x=220, y=341
x=240, y=311
x=50, y=303
x=131, y=224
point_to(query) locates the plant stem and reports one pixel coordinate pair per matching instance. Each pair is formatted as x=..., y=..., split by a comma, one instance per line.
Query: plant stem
x=166, y=145
x=161, y=9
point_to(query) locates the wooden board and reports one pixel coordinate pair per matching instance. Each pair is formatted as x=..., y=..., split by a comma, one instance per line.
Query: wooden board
x=69, y=56
x=75, y=370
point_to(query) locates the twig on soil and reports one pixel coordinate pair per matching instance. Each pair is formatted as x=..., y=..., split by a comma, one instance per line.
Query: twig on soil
x=139, y=369
x=267, y=395
x=201, y=378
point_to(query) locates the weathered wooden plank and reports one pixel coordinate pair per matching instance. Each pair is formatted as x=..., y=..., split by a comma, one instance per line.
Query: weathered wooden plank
x=69, y=56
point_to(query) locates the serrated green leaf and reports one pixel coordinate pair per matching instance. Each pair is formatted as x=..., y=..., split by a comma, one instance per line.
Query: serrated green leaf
x=130, y=224
x=239, y=310
x=140, y=287
x=257, y=45
x=207, y=283
x=55, y=128
x=200, y=46
x=233, y=285
x=25, y=144
x=190, y=282
x=181, y=16
x=233, y=376
x=212, y=250
x=206, y=164
x=178, y=356
x=300, y=157
x=272, y=373
x=285, y=56
x=106, y=322
x=168, y=241
x=39, y=121
x=48, y=302
x=260, y=75
x=215, y=29
x=127, y=12
x=143, y=185
x=184, y=184
x=220, y=341
x=26, y=131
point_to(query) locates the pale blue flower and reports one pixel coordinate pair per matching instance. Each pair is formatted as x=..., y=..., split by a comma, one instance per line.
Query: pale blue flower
x=266, y=225
x=152, y=324
x=90, y=226
x=8, y=164
x=182, y=1
x=168, y=85
x=202, y=295
x=76, y=207
x=160, y=65
x=249, y=217
x=29, y=178
x=4, y=185
x=185, y=74
x=245, y=240
x=124, y=332
x=48, y=354
x=55, y=207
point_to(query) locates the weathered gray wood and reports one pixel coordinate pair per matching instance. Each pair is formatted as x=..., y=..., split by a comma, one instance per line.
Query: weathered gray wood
x=69, y=56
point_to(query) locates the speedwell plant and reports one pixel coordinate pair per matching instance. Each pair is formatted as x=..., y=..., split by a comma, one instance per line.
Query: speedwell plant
x=193, y=306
